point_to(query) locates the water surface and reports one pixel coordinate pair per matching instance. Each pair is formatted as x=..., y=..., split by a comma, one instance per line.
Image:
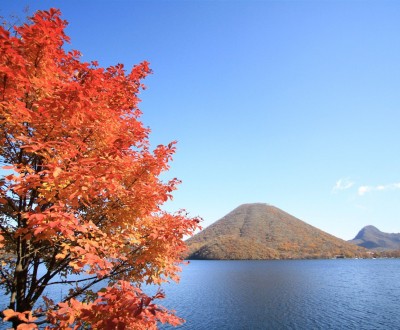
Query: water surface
x=296, y=294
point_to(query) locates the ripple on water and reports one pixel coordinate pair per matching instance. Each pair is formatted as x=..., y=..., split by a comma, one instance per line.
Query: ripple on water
x=312, y=294
x=308, y=294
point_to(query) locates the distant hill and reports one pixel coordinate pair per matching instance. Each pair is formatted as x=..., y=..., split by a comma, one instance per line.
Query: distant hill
x=371, y=237
x=262, y=231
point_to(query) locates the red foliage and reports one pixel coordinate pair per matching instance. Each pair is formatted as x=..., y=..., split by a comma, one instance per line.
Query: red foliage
x=118, y=307
x=83, y=194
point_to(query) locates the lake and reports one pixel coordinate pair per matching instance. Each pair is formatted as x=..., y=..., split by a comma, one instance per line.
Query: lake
x=295, y=294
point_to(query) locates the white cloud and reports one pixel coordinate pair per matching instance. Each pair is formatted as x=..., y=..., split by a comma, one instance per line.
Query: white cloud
x=362, y=190
x=342, y=184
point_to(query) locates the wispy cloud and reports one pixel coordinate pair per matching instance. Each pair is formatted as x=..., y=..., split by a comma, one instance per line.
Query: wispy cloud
x=342, y=184
x=362, y=190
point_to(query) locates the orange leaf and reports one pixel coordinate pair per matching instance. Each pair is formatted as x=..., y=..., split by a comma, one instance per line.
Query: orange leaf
x=57, y=172
x=27, y=326
x=8, y=314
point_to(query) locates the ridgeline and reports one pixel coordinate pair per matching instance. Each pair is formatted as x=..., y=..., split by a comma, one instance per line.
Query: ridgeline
x=371, y=237
x=261, y=231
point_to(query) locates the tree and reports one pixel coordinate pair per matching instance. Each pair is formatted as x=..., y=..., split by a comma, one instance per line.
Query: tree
x=82, y=193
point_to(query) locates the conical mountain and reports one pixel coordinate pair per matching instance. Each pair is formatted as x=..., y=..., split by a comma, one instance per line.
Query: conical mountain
x=262, y=231
x=371, y=237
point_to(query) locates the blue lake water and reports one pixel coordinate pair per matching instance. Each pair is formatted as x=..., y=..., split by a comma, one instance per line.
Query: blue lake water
x=296, y=294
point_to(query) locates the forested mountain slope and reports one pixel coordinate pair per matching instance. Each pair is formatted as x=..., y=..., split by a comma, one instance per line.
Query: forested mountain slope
x=371, y=237
x=262, y=231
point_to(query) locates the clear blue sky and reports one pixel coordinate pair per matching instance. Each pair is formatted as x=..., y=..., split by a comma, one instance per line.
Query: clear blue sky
x=291, y=103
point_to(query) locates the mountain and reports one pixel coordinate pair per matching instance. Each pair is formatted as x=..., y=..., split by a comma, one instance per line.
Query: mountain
x=371, y=237
x=262, y=231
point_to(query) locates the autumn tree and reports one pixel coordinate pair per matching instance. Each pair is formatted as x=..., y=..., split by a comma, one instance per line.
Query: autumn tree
x=81, y=191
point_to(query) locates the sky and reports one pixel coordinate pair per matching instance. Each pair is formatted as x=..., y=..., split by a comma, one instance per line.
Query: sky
x=290, y=103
